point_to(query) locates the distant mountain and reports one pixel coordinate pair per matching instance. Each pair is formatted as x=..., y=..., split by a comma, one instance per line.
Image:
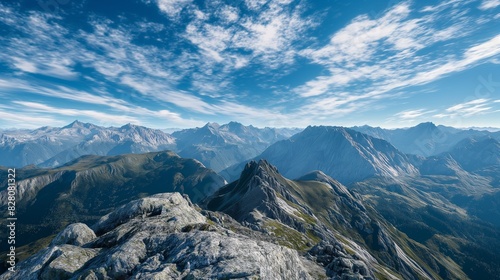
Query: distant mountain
x=216, y=146
x=475, y=154
x=341, y=153
x=115, y=141
x=441, y=165
x=23, y=147
x=220, y=146
x=50, y=147
x=425, y=139
x=85, y=189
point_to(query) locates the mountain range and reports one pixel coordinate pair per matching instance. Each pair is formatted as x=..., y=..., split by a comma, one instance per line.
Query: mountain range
x=262, y=225
x=216, y=146
x=342, y=153
x=425, y=139
x=320, y=203
x=220, y=146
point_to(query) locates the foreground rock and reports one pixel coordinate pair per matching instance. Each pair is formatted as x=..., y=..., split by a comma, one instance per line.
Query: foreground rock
x=162, y=237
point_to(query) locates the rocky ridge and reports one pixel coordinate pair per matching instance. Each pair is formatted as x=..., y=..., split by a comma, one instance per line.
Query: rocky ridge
x=162, y=237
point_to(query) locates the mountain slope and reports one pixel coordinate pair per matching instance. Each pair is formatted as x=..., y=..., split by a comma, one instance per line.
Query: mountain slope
x=316, y=207
x=431, y=211
x=342, y=153
x=475, y=154
x=91, y=186
x=24, y=147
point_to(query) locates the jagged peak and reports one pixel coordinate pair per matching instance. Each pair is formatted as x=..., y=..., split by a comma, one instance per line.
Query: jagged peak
x=334, y=129
x=211, y=125
x=254, y=167
x=234, y=124
x=426, y=125
x=129, y=126
x=480, y=142
x=77, y=124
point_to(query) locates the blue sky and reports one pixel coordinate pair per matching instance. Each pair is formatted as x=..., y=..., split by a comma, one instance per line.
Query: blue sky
x=182, y=63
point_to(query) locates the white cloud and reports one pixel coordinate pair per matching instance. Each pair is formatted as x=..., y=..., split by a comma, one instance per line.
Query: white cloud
x=467, y=109
x=229, y=14
x=255, y=4
x=489, y=4
x=269, y=35
x=376, y=58
x=172, y=7
x=412, y=114
x=471, y=56
x=24, y=65
x=376, y=50
x=26, y=120
x=98, y=116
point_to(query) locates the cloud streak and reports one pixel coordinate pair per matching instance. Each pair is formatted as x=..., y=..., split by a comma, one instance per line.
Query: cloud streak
x=376, y=58
x=249, y=61
x=467, y=109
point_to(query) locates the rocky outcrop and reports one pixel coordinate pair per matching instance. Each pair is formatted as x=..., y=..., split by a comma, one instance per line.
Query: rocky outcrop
x=338, y=264
x=75, y=234
x=163, y=237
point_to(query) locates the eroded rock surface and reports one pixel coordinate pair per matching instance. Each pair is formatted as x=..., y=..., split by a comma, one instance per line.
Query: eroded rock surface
x=163, y=237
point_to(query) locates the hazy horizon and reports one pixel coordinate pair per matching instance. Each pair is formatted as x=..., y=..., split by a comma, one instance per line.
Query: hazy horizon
x=173, y=129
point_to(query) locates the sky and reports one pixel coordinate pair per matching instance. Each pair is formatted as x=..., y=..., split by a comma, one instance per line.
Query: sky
x=277, y=63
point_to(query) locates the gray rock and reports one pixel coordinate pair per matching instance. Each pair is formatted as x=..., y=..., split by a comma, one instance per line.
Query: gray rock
x=68, y=262
x=75, y=234
x=165, y=237
x=171, y=205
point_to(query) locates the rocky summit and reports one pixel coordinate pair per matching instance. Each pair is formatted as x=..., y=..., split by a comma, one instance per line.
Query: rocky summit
x=165, y=237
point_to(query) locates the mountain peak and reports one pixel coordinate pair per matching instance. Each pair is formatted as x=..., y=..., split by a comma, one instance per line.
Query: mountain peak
x=129, y=126
x=426, y=125
x=212, y=125
x=76, y=124
x=258, y=168
x=235, y=126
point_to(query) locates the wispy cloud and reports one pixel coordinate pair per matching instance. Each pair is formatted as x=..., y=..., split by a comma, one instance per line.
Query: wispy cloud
x=172, y=7
x=97, y=116
x=413, y=114
x=26, y=120
x=217, y=59
x=270, y=38
x=467, y=109
x=489, y=4
x=379, y=50
x=151, y=71
x=374, y=58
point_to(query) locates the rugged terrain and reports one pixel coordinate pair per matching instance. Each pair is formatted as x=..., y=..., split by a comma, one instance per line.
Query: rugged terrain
x=87, y=188
x=390, y=215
